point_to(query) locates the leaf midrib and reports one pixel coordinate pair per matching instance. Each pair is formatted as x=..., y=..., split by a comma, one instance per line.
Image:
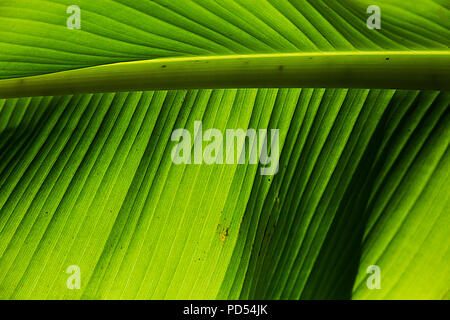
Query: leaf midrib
x=358, y=69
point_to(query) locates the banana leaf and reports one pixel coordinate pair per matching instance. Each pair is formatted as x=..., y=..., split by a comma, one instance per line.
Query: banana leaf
x=87, y=177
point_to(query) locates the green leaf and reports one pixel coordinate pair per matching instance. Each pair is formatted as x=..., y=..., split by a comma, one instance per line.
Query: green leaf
x=386, y=69
x=88, y=180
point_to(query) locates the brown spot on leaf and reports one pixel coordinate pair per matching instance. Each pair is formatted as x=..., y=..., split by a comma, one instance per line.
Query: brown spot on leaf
x=223, y=235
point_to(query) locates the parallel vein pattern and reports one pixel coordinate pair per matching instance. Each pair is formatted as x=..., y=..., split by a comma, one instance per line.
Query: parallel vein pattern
x=34, y=38
x=88, y=180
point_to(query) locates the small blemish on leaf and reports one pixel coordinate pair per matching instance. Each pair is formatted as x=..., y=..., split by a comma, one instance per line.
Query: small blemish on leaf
x=223, y=235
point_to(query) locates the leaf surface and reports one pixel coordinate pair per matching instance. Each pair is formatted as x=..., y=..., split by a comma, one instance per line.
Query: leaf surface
x=88, y=179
